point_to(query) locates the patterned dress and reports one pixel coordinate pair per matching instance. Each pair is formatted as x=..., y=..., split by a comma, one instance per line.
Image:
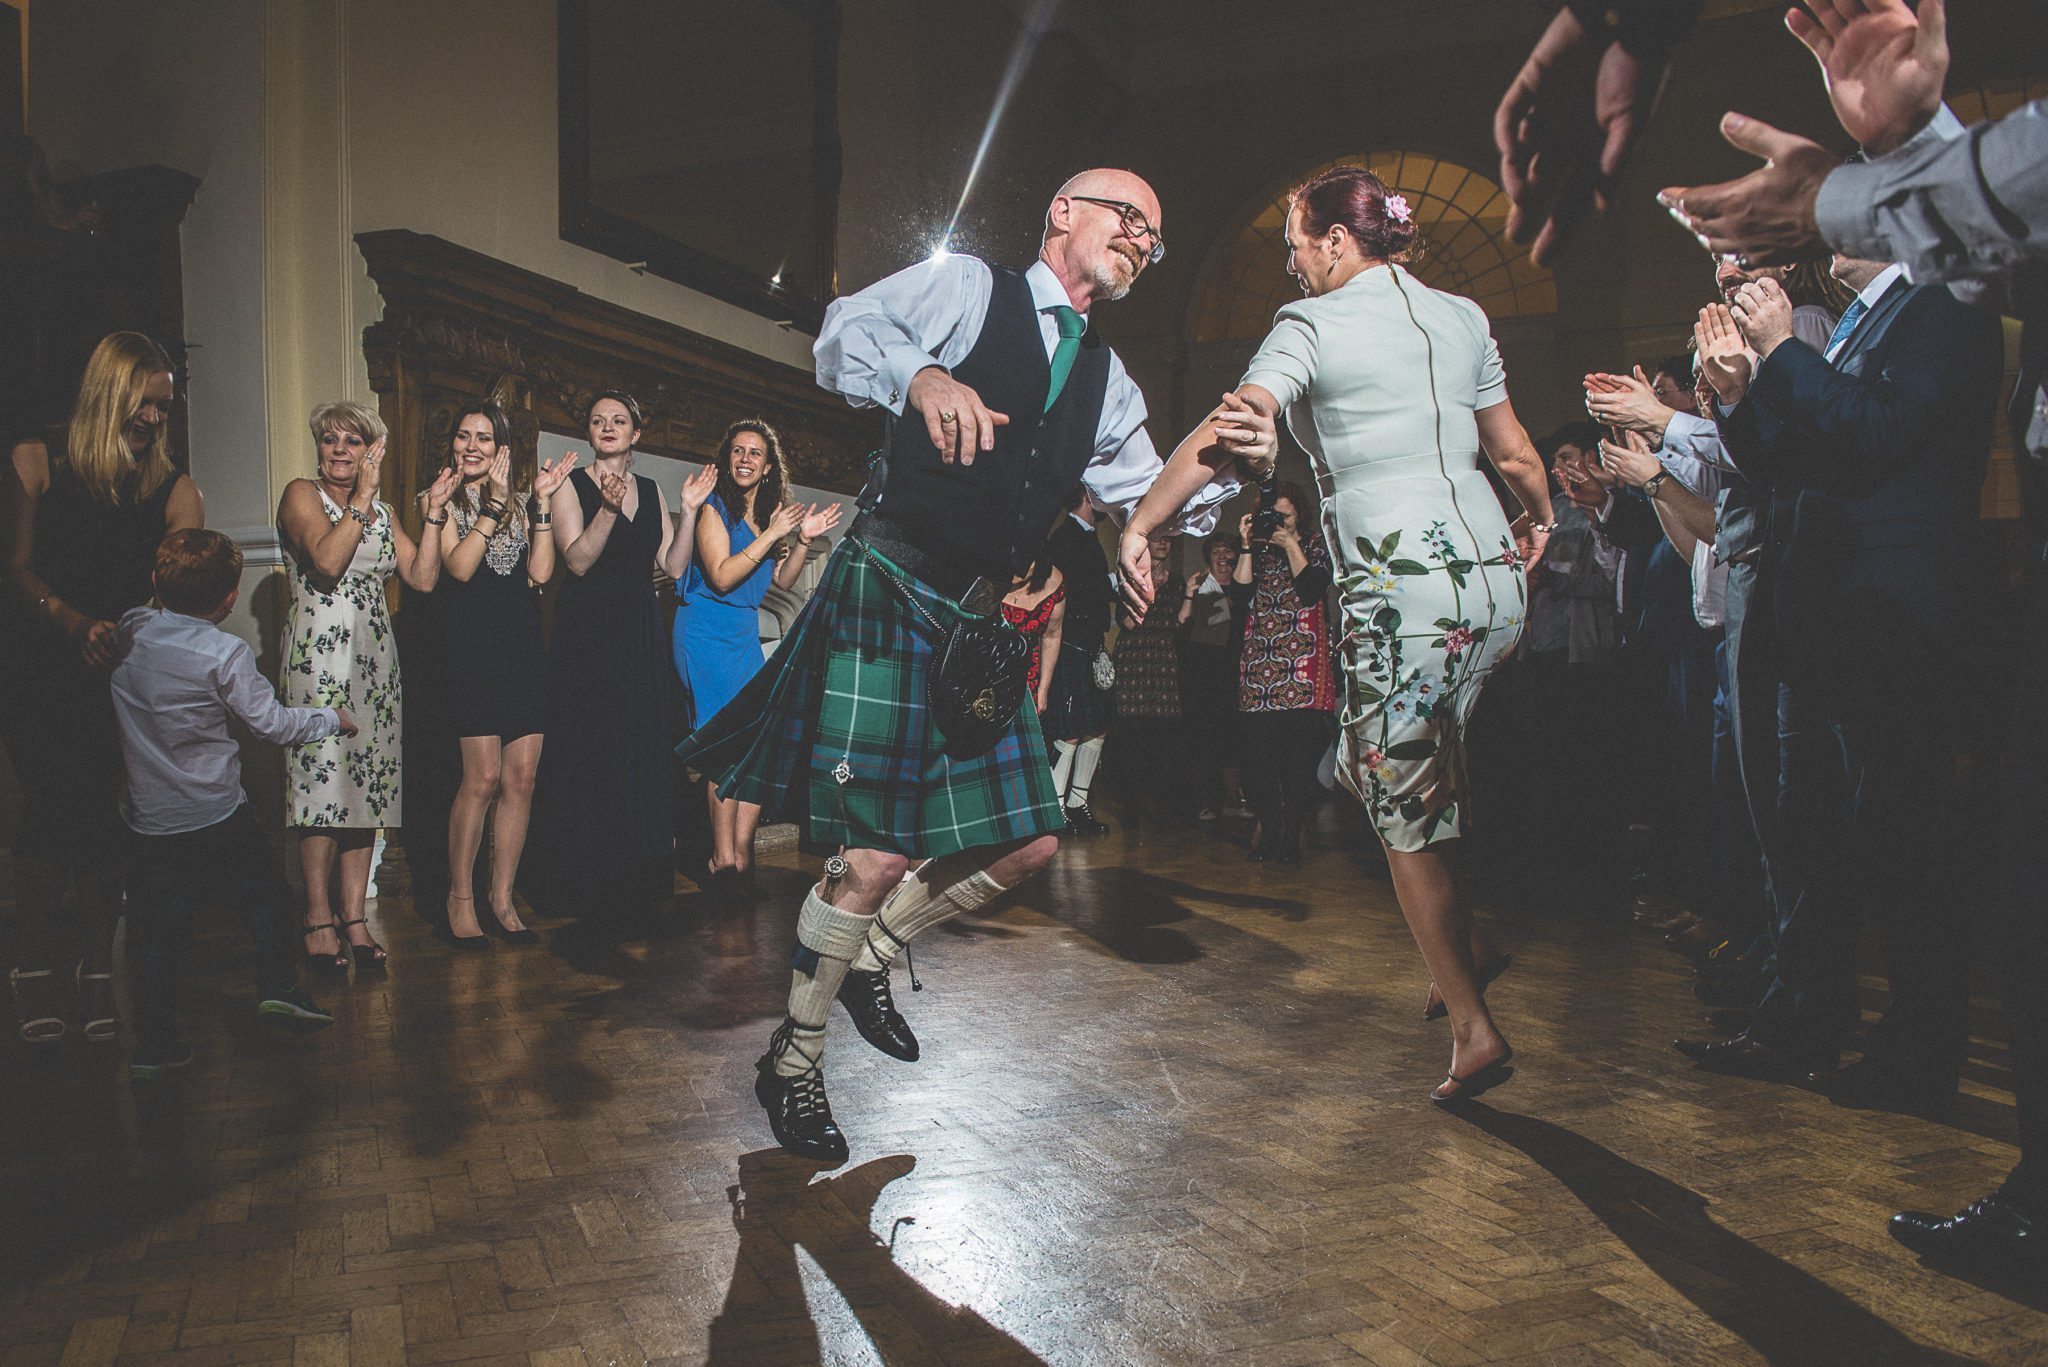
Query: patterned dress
x=1284, y=664
x=1148, y=659
x=1380, y=380
x=1033, y=621
x=342, y=654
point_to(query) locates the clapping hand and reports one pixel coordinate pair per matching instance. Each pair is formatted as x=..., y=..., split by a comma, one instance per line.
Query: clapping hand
x=1568, y=125
x=1630, y=460
x=369, y=473
x=698, y=488
x=817, y=521
x=443, y=488
x=1763, y=311
x=1725, y=364
x=1625, y=401
x=499, y=476
x=1766, y=218
x=787, y=517
x=1246, y=433
x=1884, y=64
x=611, y=490
x=551, y=474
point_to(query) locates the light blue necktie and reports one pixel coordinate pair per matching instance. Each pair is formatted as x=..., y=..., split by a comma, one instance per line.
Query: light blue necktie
x=1844, y=329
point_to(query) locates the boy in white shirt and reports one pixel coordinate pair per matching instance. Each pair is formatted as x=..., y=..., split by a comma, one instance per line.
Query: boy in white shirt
x=177, y=679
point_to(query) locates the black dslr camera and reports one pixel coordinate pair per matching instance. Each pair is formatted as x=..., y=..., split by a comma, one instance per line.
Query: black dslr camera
x=1266, y=520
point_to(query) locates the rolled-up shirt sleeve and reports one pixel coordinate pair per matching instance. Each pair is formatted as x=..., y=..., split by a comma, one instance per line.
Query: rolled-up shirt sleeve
x=874, y=342
x=1126, y=464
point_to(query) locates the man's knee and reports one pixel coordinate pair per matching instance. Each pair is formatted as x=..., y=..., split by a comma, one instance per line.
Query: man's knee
x=1036, y=855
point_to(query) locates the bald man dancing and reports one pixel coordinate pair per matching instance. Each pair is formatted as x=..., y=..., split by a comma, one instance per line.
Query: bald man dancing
x=1001, y=399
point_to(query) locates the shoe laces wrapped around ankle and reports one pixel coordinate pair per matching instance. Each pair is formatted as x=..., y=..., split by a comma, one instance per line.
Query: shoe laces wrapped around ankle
x=807, y=1096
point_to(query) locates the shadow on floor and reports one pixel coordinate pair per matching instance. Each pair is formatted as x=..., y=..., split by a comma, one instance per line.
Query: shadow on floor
x=1781, y=1311
x=777, y=1208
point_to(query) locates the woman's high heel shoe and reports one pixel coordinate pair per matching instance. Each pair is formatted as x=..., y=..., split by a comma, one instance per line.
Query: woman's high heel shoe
x=445, y=932
x=525, y=935
x=336, y=962
x=371, y=955
x=1474, y=1083
x=1433, y=1007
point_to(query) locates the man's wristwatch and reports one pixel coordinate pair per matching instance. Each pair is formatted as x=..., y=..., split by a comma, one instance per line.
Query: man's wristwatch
x=1654, y=482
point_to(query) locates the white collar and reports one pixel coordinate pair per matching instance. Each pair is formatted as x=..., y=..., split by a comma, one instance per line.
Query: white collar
x=1046, y=290
x=1874, y=291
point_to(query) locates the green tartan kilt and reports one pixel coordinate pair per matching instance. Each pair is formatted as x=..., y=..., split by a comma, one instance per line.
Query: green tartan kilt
x=835, y=735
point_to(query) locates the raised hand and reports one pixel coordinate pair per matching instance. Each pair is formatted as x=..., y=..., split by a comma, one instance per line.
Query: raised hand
x=698, y=488
x=441, y=490
x=369, y=473
x=1629, y=460
x=1247, y=433
x=1884, y=64
x=1568, y=125
x=960, y=424
x=1763, y=311
x=787, y=517
x=612, y=490
x=551, y=474
x=818, y=521
x=1725, y=364
x=499, y=475
x=1766, y=218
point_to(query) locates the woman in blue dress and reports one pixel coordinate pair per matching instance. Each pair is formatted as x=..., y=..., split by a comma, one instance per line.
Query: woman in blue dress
x=718, y=629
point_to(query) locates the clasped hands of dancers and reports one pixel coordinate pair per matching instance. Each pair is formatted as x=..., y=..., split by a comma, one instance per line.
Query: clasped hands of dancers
x=1001, y=400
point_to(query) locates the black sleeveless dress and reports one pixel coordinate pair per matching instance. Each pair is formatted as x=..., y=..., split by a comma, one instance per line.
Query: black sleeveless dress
x=58, y=711
x=605, y=800
x=494, y=665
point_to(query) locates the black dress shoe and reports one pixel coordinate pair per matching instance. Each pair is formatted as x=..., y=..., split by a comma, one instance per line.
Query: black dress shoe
x=1744, y=1056
x=1081, y=821
x=1988, y=1235
x=1877, y=1084
x=867, y=999
x=798, y=1112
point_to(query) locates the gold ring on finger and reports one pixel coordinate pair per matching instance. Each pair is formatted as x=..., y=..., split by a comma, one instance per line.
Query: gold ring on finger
x=948, y=415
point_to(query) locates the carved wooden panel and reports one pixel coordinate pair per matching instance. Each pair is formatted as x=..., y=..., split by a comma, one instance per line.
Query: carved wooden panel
x=458, y=325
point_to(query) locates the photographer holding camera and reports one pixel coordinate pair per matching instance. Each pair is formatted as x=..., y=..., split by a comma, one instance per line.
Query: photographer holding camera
x=1287, y=687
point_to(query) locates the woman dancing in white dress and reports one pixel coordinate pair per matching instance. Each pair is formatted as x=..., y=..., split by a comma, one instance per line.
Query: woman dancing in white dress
x=1394, y=389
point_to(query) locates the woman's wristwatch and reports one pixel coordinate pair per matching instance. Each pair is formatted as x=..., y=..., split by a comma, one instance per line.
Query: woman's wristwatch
x=1654, y=482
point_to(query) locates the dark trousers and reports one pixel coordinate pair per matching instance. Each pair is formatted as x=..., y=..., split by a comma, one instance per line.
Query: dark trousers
x=1738, y=856
x=1864, y=829
x=231, y=861
x=1281, y=752
x=2021, y=933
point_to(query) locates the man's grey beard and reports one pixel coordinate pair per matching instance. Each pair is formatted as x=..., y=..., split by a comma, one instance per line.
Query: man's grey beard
x=1110, y=283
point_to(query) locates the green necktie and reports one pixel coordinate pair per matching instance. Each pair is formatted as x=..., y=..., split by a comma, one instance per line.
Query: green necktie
x=1071, y=325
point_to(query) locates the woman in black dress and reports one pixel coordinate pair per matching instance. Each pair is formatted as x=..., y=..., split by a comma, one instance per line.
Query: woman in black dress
x=606, y=796
x=86, y=509
x=497, y=549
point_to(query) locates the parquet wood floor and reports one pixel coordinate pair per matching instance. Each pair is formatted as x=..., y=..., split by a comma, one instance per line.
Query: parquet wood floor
x=1171, y=1110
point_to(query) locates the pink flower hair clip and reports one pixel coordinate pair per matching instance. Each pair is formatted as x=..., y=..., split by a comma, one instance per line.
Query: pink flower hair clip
x=1398, y=210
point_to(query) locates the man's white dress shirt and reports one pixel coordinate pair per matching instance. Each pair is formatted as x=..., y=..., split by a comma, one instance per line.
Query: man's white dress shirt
x=873, y=343
x=176, y=681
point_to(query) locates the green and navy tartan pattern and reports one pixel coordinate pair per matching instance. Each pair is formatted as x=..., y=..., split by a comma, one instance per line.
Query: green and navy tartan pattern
x=844, y=698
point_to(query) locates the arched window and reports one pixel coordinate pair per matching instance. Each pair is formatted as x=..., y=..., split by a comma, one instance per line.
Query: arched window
x=1462, y=216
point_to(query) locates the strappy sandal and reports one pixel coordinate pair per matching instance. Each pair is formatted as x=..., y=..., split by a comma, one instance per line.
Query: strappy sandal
x=336, y=962
x=1478, y=1081
x=38, y=1030
x=106, y=1029
x=371, y=955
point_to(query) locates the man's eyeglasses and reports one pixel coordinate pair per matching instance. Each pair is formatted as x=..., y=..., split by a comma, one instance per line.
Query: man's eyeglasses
x=1136, y=225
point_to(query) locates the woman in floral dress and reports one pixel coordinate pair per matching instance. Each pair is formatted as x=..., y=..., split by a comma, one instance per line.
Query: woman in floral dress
x=1396, y=391
x=343, y=543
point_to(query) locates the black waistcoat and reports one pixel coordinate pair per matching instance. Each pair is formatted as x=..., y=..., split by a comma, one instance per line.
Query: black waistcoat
x=991, y=516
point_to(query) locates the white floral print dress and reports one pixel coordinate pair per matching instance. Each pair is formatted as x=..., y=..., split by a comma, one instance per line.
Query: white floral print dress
x=341, y=653
x=1380, y=380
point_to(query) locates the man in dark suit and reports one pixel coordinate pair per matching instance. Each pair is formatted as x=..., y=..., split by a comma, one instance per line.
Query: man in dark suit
x=1868, y=460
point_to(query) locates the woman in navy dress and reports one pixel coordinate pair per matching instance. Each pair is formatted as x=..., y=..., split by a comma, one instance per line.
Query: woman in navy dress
x=718, y=629
x=497, y=549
